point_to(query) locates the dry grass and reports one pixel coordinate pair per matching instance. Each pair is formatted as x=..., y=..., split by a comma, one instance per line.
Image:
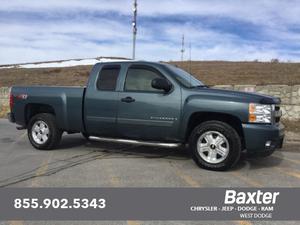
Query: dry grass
x=67, y=76
x=220, y=72
x=3, y=111
x=210, y=72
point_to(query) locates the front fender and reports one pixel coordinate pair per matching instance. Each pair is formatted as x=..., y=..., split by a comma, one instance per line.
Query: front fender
x=196, y=104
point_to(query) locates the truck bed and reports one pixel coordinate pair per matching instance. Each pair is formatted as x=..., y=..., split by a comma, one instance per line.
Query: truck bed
x=66, y=102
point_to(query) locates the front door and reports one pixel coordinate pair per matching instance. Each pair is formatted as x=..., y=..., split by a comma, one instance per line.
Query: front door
x=147, y=113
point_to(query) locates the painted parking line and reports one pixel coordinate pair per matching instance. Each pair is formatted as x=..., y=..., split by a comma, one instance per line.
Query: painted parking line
x=193, y=183
x=42, y=170
x=115, y=181
x=243, y=222
x=243, y=175
x=16, y=222
x=288, y=172
x=186, y=178
x=248, y=180
x=131, y=222
x=287, y=159
x=21, y=137
x=11, y=146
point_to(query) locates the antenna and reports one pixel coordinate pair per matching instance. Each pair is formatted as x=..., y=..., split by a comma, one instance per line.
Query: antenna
x=182, y=47
x=134, y=29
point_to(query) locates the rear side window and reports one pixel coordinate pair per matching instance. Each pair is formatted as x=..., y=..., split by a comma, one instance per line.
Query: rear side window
x=140, y=79
x=108, y=77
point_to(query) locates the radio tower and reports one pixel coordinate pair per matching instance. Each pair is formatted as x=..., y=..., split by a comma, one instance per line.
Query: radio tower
x=134, y=29
x=182, y=47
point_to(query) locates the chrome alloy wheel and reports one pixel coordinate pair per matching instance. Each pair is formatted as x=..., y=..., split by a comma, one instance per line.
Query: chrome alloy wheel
x=40, y=132
x=213, y=147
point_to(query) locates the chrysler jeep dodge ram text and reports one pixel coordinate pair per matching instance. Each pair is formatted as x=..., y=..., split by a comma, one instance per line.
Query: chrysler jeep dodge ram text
x=152, y=104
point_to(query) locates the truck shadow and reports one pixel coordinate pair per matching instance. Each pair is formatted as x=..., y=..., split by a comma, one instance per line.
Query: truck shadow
x=181, y=153
x=139, y=151
x=255, y=163
x=71, y=141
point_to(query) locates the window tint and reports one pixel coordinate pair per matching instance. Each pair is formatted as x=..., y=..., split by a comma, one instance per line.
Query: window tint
x=140, y=79
x=108, y=77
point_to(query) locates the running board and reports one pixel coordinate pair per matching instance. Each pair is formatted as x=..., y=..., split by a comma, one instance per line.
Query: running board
x=135, y=142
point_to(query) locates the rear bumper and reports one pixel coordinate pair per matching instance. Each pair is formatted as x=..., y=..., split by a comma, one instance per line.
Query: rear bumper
x=11, y=117
x=263, y=138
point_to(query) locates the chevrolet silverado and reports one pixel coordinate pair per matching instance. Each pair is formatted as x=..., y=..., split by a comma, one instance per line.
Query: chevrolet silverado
x=154, y=104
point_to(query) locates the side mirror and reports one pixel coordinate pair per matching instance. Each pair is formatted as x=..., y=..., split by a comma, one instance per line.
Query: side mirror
x=161, y=84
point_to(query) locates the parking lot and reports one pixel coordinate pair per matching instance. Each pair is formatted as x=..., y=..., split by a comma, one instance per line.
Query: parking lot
x=79, y=163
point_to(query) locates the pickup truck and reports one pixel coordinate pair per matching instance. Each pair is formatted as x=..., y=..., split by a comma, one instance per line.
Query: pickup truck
x=154, y=104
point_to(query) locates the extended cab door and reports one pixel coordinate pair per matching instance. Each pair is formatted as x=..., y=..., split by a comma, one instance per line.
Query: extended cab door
x=101, y=101
x=147, y=113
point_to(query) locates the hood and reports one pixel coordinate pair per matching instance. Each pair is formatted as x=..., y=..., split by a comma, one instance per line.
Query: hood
x=239, y=95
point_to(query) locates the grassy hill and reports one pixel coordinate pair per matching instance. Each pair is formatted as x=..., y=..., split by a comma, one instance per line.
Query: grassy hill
x=210, y=72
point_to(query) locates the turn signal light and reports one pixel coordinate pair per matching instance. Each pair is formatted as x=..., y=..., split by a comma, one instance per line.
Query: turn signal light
x=252, y=118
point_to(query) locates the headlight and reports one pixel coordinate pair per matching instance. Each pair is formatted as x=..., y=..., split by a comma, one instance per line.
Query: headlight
x=260, y=113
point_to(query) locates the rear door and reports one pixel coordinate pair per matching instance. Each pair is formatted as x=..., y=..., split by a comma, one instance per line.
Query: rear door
x=101, y=101
x=144, y=112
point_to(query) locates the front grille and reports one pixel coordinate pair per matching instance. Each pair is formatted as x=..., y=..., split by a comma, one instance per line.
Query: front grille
x=277, y=114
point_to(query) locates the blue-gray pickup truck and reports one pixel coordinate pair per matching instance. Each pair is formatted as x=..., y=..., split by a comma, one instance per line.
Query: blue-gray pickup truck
x=152, y=104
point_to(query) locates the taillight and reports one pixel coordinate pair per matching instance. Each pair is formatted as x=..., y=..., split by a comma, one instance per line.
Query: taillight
x=11, y=101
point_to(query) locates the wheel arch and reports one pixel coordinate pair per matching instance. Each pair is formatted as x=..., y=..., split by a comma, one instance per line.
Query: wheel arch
x=33, y=109
x=199, y=117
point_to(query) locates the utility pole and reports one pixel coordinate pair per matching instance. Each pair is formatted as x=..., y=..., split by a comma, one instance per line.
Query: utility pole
x=134, y=29
x=182, y=47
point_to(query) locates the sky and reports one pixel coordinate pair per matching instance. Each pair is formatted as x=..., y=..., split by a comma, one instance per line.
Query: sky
x=235, y=30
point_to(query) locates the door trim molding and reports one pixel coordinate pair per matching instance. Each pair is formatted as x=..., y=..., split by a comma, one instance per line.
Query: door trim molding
x=158, y=123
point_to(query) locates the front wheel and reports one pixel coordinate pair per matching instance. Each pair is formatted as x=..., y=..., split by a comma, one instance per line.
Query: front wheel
x=215, y=145
x=43, y=132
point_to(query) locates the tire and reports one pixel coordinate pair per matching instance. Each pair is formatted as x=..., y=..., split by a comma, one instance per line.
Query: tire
x=219, y=145
x=43, y=132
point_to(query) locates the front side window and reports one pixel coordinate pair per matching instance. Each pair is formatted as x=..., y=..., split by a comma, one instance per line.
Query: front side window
x=108, y=77
x=140, y=79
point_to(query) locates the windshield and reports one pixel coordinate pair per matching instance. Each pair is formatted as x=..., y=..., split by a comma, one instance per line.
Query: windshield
x=184, y=77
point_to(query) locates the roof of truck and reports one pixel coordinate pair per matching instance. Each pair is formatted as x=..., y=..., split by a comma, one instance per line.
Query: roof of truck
x=132, y=61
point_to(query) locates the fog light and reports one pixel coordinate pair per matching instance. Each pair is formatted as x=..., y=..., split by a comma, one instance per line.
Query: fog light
x=268, y=144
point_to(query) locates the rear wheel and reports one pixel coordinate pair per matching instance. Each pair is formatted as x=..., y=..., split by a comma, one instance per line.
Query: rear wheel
x=215, y=145
x=43, y=132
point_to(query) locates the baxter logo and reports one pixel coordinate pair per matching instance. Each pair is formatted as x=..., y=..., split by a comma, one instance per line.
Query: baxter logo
x=256, y=197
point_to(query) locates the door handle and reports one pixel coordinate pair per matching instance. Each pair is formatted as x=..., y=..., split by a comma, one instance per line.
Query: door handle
x=128, y=99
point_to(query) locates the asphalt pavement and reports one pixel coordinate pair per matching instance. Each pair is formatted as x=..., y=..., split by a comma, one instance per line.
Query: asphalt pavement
x=80, y=163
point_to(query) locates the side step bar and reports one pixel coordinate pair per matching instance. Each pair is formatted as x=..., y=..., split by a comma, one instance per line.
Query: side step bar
x=135, y=142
